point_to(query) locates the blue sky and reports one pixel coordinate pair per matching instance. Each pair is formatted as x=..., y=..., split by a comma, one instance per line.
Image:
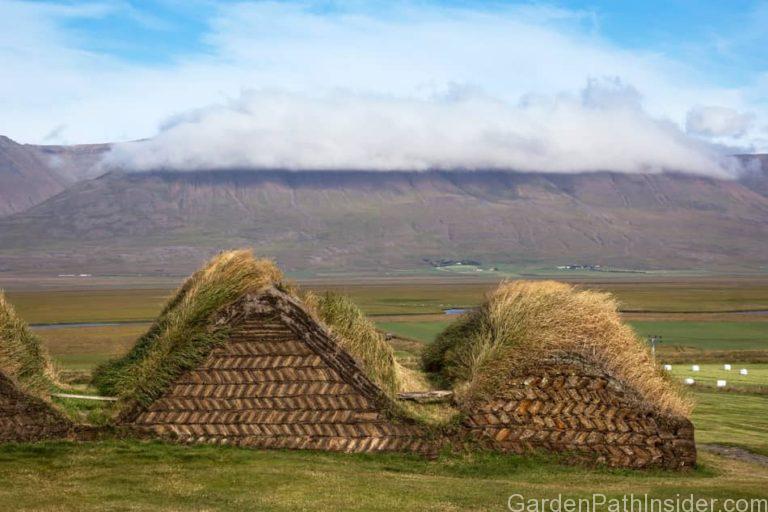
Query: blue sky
x=726, y=39
x=107, y=70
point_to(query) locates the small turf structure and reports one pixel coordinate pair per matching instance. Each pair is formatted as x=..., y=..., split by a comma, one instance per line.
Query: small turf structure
x=236, y=357
x=26, y=379
x=546, y=366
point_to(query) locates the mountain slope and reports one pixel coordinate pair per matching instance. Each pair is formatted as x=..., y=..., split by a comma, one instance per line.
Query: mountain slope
x=31, y=174
x=385, y=220
x=755, y=176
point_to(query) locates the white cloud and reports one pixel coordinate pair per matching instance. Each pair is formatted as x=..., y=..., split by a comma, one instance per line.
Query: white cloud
x=602, y=129
x=715, y=121
x=391, y=67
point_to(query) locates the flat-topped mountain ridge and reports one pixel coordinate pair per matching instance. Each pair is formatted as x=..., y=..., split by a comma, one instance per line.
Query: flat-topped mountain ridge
x=375, y=221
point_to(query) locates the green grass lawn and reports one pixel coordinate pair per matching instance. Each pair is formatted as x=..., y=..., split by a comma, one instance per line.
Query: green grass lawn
x=134, y=475
x=129, y=475
x=744, y=335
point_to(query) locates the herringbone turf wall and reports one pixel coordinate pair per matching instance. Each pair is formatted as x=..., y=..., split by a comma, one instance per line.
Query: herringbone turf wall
x=279, y=382
x=27, y=418
x=566, y=405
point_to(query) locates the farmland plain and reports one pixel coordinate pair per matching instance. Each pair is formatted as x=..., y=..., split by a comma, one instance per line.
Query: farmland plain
x=695, y=317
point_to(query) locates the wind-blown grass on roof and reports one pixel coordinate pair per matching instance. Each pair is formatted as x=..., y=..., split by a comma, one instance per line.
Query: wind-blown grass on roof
x=180, y=338
x=523, y=322
x=358, y=335
x=22, y=356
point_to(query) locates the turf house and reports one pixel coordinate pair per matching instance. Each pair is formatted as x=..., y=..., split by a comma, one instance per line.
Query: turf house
x=238, y=358
x=543, y=366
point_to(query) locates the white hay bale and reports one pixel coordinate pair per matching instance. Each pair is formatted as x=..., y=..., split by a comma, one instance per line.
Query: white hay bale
x=668, y=367
x=721, y=383
x=689, y=380
x=695, y=368
x=743, y=371
x=727, y=367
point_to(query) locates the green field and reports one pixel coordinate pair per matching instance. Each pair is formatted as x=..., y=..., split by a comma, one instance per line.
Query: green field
x=89, y=305
x=709, y=374
x=82, y=348
x=730, y=335
x=701, y=335
x=422, y=331
x=102, y=303
x=133, y=475
x=736, y=419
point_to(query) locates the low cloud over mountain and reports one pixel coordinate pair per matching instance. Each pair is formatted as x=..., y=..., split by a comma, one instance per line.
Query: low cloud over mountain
x=714, y=121
x=602, y=128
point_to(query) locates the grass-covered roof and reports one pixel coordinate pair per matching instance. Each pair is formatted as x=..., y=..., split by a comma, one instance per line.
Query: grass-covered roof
x=22, y=356
x=180, y=338
x=523, y=322
x=182, y=335
x=358, y=335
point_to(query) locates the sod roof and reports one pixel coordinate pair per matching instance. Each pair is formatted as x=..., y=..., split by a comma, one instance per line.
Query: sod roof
x=185, y=333
x=523, y=322
x=180, y=337
x=22, y=356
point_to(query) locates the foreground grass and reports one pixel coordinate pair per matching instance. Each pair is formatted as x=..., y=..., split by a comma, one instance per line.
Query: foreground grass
x=129, y=475
x=134, y=475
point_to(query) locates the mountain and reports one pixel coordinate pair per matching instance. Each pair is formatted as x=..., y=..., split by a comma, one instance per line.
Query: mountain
x=755, y=174
x=31, y=174
x=374, y=221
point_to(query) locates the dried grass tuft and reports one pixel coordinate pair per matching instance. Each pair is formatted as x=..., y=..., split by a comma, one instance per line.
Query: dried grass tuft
x=22, y=356
x=523, y=322
x=358, y=335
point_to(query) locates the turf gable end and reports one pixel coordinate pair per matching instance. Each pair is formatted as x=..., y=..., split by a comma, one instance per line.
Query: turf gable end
x=280, y=380
x=566, y=405
x=542, y=365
